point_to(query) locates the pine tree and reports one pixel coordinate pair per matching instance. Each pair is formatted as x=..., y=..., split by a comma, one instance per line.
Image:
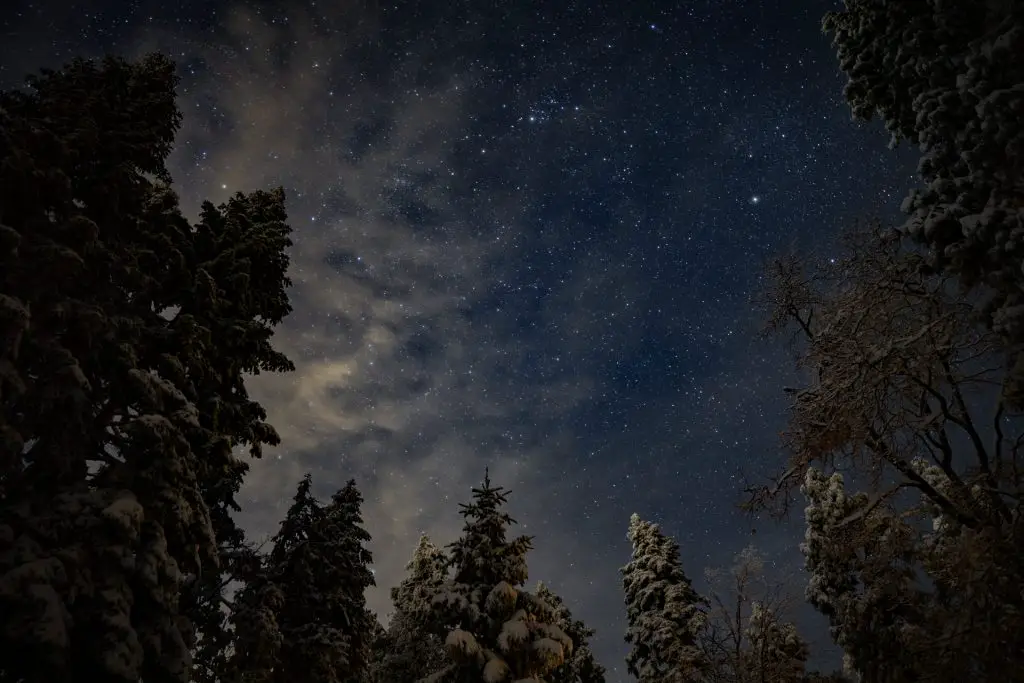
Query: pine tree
x=948, y=77
x=414, y=652
x=305, y=617
x=110, y=456
x=664, y=613
x=493, y=629
x=580, y=667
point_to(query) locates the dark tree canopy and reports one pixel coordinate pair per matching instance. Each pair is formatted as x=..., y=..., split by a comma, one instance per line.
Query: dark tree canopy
x=124, y=333
x=304, y=616
x=948, y=77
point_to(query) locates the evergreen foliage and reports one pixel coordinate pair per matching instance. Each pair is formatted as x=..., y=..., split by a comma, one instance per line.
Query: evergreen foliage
x=305, y=616
x=121, y=353
x=580, y=667
x=412, y=651
x=493, y=629
x=664, y=613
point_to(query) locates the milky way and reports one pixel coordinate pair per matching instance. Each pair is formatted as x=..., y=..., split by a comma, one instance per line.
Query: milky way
x=527, y=235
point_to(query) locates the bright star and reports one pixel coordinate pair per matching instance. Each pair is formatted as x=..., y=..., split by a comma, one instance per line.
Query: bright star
x=755, y=199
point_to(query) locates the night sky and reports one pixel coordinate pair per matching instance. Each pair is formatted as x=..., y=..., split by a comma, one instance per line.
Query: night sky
x=526, y=237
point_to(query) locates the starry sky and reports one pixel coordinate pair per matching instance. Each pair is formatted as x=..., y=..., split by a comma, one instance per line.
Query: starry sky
x=526, y=238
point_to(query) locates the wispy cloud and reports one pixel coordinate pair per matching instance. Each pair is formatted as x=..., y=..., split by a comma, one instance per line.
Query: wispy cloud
x=398, y=384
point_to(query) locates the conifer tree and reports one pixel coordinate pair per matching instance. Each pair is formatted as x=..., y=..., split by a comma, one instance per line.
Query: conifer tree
x=414, y=652
x=305, y=616
x=580, y=666
x=665, y=615
x=494, y=630
x=855, y=553
x=114, y=455
x=352, y=559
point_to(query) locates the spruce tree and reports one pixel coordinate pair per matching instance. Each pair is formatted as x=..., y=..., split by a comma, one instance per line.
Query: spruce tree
x=237, y=261
x=414, y=652
x=580, y=667
x=493, y=629
x=353, y=560
x=305, y=617
x=113, y=456
x=664, y=613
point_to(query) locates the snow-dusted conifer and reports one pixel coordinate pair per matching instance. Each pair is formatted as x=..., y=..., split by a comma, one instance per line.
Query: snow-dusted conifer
x=305, y=617
x=580, y=667
x=113, y=394
x=414, y=652
x=664, y=613
x=494, y=630
x=856, y=553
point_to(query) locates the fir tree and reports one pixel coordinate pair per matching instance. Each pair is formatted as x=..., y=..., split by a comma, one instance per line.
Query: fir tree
x=305, y=617
x=237, y=262
x=111, y=455
x=414, y=652
x=352, y=559
x=494, y=630
x=580, y=667
x=664, y=613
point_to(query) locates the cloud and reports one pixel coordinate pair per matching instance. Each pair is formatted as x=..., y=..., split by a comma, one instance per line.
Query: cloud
x=400, y=383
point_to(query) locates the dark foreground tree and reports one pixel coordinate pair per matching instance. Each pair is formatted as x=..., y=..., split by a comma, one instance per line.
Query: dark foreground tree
x=305, y=617
x=124, y=333
x=904, y=395
x=948, y=78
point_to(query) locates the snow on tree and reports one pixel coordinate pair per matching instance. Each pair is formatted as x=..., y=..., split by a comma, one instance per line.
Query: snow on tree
x=412, y=651
x=856, y=556
x=745, y=639
x=493, y=629
x=664, y=613
x=777, y=652
x=580, y=667
x=948, y=77
x=108, y=396
x=305, y=616
x=906, y=391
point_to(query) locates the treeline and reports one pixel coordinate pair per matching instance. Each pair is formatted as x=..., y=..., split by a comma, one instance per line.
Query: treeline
x=126, y=332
